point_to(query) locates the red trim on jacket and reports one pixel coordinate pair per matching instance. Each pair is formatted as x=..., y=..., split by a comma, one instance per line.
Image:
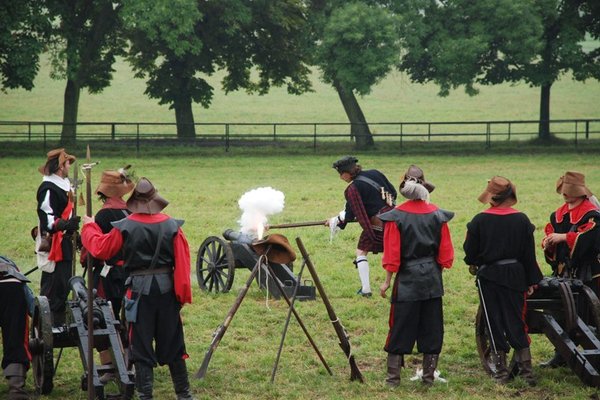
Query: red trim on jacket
x=56, y=253
x=501, y=211
x=576, y=213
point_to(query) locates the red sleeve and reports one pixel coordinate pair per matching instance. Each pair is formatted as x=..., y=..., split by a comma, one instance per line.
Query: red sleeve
x=391, y=245
x=99, y=245
x=446, y=252
x=181, y=275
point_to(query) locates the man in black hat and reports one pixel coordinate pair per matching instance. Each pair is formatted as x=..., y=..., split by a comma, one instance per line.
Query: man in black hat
x=368, y=193
x=55, y=215
x=157, y=255
x=13, y=322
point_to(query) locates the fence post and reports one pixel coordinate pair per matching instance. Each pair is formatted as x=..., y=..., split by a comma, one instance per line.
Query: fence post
x=488, y=136
x=587, y=129
x=401, y=135
x=29, y=129
x=44, y=136
x=137, y=141
x=112, y=131
x=509, y=129
x=274, y=132
x=429, y=131
x=226, y=137
x=315, y=137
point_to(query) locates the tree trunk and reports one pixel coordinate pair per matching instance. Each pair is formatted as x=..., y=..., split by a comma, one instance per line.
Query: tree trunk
x=544, y=127
x=185, y=120
x=71, y=108
x=359, y=126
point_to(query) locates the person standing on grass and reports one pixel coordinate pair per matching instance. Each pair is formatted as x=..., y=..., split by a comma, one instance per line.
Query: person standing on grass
x=368, y=193
x=15, y=302
x=55, y=209
x=157, y=255
x=572, y=241
x=109, y=276
x=417, y=246
x=500, y=250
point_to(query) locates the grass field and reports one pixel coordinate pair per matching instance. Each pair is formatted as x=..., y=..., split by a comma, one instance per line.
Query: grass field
x=395, y=99
x=204, y=190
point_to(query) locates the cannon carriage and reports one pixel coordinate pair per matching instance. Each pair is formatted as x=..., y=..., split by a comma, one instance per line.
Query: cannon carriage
x=568, y=313
x=108, y=334
x=218, y=258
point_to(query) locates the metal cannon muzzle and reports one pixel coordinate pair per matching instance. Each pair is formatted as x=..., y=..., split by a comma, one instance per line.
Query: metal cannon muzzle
x=236, y=236
x=78, y=287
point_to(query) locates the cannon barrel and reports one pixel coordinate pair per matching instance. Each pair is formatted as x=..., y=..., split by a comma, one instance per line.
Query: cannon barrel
x=78, y=287
x=240, y=237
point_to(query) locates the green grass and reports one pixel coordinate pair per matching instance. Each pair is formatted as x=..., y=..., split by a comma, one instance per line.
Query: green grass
x=203, y=188
x=392, y=100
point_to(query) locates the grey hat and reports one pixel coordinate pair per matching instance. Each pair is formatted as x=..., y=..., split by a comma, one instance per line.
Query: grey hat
x=345, y=164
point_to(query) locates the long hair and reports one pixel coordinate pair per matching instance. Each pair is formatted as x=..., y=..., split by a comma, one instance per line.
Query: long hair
x=413, y=190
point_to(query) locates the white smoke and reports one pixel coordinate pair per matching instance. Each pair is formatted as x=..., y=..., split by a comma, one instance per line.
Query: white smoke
x=256, y=205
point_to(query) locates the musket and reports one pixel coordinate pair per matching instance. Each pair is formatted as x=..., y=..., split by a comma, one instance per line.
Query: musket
x=297, y=224
x=344, y=343
x=220, y=331
x=87, y=169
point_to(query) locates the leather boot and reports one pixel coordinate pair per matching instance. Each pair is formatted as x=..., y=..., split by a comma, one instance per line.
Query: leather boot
x=395, y=362
x=523, y=358
x=180, y=380
x=144, y=380
x=501, y=374
x=429, y=365
x=15, y=375
x=556, y=361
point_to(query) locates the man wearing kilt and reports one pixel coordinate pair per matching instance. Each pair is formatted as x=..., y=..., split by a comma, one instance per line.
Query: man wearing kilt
x=368, y=193
x=417, y=247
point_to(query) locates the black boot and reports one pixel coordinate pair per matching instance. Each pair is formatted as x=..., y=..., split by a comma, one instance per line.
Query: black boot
x=144, y=380
x=523, y=358
x=556, y=361
x=501, y=374
x=429, y=365
x=395, y=362
x=180, y=380
x=15, y=375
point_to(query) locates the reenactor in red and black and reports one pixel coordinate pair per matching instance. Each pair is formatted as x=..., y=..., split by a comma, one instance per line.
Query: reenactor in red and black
x=55, y=205
x=157, y=255
x=16, y=301
x=368, y=193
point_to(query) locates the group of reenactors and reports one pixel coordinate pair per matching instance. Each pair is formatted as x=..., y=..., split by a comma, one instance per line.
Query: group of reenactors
x=141, y=264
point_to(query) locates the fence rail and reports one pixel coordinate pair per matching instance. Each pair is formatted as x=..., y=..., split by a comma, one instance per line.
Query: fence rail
x=228, y=134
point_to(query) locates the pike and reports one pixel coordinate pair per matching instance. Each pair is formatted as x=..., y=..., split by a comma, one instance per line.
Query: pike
x=355, y=373
x=87, y=169
x=76, y=183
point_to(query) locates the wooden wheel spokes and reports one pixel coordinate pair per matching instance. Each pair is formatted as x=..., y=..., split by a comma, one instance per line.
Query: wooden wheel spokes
x=215, y=267
x=41, y=346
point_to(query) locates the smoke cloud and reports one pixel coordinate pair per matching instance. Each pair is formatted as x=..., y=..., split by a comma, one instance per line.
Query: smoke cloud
x=256, y=205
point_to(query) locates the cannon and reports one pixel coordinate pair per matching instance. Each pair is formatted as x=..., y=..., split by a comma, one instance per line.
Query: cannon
x=219, y=257
x=568, y=313
x=108, y=334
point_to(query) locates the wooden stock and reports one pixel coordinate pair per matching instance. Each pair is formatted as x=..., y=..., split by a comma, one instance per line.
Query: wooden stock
x=355, y=373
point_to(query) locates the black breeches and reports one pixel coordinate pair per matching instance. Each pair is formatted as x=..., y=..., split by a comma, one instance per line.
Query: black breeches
x=13, y=321
x=416, y=321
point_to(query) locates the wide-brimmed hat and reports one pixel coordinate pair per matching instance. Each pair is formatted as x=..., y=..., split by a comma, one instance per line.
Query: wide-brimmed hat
x=280, y=251
x=62, y=156
x=573, y=185
x=145, y=199
x=497, y=187
x=345, y=164
x=415, y=173
x=114, y=184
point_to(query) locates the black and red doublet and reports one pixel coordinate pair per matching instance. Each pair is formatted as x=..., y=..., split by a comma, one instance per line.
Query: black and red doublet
x=500, y=242
x=363, y=202
x=112, y=286
x=54, y=203
x=417, y=246
x=578, y=256
x=157, y=255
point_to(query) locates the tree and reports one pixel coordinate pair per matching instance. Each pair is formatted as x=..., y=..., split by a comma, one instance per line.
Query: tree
x=23, y=26
x=86, y=38
x=174, y=42
x=461, y=42
x=356, y=46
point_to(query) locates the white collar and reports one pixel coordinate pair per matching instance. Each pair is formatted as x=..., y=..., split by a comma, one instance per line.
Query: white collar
x=63, y=183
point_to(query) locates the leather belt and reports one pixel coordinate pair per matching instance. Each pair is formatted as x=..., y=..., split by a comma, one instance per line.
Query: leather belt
x=151, y=271
x=417, y=261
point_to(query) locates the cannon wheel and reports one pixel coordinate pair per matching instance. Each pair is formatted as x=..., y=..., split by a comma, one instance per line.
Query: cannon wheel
x=215, y=267
x=484, y=345
x=569, y=307
x=589, y=311
x=41, y=346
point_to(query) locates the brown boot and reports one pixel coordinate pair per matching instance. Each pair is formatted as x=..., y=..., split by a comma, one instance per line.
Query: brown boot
x=523, y=358
x=15, y=376
x=500, y=374
x=395, y=362
x=429, y=365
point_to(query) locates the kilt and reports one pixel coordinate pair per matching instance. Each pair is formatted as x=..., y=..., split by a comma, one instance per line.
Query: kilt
x=367, y=244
